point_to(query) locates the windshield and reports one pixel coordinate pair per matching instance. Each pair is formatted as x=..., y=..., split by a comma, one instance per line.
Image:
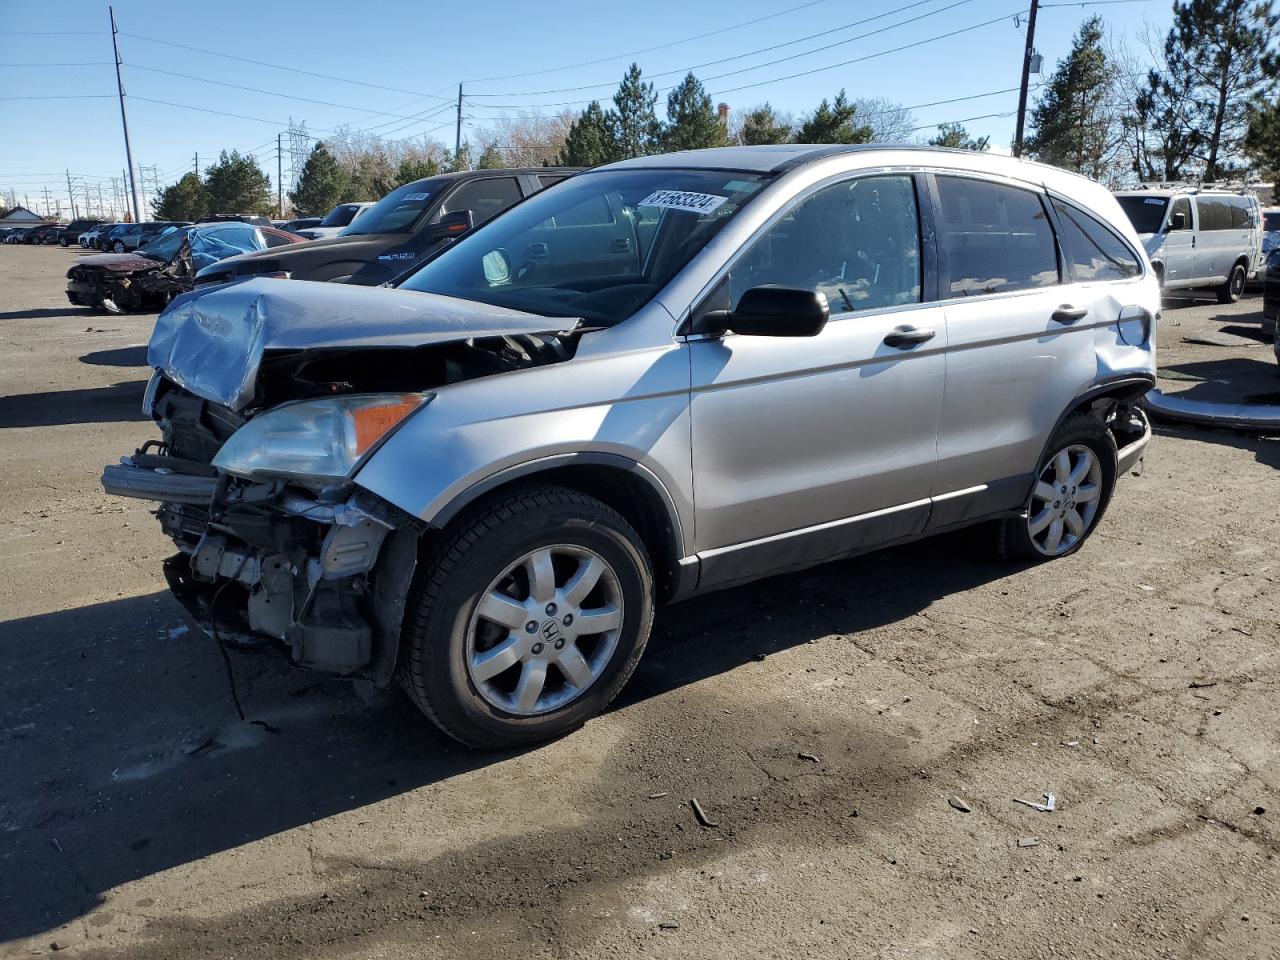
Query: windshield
x=1145, y=213
x=396, y=212
x=340, y=215
x=164, y=246
x=597, y=246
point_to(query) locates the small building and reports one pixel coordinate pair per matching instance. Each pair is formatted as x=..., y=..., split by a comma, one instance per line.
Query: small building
x=20, y=217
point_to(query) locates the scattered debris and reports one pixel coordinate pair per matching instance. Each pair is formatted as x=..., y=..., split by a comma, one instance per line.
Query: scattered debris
x=808, y=756
x=1050, y=801
x=1202, y=684
x=669, y=925
x=702, y=814
x=196, y=747
x=56, y=845
x=1028, y=841
x=1259, y=811
x=959, y=805
x=666, y=854
x=1146, y=587
x=657, y=796
x=1071, y=743
x=760, y=657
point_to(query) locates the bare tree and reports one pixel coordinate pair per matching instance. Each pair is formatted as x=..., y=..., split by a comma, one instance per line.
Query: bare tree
x=529, y=139
x=889, y=122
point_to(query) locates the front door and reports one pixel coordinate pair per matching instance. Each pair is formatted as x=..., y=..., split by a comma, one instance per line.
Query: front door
x=807, y=447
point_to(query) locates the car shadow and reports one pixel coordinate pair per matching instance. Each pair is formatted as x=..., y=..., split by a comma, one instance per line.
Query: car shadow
x=38, y=313
x=124, y=756
x=115, y=404
x=1266, y=450
x=1227, y=380
x=120, y=357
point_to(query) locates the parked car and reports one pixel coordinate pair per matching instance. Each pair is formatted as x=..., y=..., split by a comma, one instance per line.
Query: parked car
x=404, y=228
x=335, y=220
x=658, y=378
x=1270, y=230
x=1271, y=294
x=301, y=223
x=41, y=233
x=126, y=237
x=164, y=266
x=18, y=235
x=89, y=239
x=71, y=233
x=1199, y=238
x=253, y=218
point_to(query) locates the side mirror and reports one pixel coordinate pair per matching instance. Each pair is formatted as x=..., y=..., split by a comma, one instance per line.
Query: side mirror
x=451, y=225
x=772, y=312
x=1177, y=222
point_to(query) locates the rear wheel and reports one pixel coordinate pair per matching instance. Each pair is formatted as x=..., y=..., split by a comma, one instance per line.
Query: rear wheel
x=1233, y=289
x=530, y=620
x=118, y=247
x=1072, y=489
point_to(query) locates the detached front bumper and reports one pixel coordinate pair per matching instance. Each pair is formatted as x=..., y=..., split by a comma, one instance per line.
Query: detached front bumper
x=267, y=564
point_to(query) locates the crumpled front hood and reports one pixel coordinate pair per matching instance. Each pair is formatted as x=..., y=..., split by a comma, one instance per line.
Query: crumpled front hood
x=118, y=262
x=212, y=341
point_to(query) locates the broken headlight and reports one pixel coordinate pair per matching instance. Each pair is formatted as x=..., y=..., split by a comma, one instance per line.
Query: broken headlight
x=324, y=439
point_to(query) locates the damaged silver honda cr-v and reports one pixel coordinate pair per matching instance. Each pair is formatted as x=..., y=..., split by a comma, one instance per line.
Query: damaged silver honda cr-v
x=657, y=378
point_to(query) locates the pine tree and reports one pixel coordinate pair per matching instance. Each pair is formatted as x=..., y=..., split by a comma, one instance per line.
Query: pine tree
x=632, y=123
x=589, y=141
x=762, y=125
x=411, y=169
x=956, y=136
x=491, y=158
x=692, y=122
x=1218, y=59
x=1262, y=140
x=184, y=200
x=833, y=123
x=236, y=184
x=1073, y=121
x=320, y=185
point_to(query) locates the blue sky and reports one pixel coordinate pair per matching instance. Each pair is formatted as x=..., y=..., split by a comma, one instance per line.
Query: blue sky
x=423, y=51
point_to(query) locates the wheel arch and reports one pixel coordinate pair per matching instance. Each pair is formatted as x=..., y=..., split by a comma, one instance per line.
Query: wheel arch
x=620, y=483
x=1124, y=389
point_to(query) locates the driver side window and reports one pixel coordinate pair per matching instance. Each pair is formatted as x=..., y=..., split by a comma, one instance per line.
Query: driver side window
x=857, y=242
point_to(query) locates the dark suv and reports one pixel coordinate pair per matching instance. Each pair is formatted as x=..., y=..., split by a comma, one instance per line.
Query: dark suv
x=70, y=236
x=409, y=224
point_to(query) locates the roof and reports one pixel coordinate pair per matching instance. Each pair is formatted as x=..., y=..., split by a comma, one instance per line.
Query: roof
x=778, y=158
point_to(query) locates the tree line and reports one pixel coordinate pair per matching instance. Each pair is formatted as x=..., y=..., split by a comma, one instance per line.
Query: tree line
x=1201, y=104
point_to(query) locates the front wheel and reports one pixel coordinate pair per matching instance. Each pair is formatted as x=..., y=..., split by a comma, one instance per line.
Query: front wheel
x=119, y=247
x=1072, y=489
x=530, y=620
x=1233, y=289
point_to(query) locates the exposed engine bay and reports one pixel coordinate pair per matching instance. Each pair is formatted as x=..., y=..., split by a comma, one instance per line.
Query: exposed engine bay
x=321, y=570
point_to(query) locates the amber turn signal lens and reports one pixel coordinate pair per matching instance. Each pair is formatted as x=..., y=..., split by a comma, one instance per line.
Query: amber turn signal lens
x=372, y=422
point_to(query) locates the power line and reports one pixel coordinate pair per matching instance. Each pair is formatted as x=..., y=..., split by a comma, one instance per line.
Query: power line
x=661, y=46
x=276, y=66
x=771, y=47
x=69, y=96
x=84, y=63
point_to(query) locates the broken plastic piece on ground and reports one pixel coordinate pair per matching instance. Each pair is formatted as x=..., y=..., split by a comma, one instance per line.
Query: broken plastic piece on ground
x=1234, y=416
x=959, y=804
x=1028, y=841
x=1050, y=801
x=109, y=305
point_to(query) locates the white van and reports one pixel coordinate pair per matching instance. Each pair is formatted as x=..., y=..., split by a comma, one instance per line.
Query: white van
x=1199, y=237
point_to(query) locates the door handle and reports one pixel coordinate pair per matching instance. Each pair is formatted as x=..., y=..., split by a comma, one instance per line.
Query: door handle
x=906, y=336
x=1069, y=314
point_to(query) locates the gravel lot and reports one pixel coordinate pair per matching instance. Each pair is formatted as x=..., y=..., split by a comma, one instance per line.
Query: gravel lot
x=1137, y=681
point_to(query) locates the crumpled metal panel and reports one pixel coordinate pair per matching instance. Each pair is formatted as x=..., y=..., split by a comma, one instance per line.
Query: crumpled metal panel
x=211, y=342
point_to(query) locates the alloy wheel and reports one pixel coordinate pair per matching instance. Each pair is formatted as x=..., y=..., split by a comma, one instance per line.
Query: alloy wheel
x=544, y=630
x=1064, y=503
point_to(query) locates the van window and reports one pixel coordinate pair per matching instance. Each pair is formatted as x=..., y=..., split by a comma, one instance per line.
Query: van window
x=994, y=239
x=1094, y=251
x=1241, y=213
x=1215, y=213
x=857, y=242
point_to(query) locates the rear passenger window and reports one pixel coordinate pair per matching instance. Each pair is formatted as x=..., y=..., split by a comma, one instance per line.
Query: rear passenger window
x=484, y=198
x=1214, y=214
x=1094, y=251
x=994, y=239
x=857, y=242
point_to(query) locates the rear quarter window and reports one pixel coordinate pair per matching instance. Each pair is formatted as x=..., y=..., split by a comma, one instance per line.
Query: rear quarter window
x=1094, y=251
x=1215, y=214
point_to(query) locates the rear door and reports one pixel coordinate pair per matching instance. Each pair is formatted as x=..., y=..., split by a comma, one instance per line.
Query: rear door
x=1017, y=350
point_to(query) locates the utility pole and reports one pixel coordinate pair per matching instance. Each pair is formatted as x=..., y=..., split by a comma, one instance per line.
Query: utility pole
x=1026, y=77
x=197, y=156
x=72, y=196
x=280, y=175
x=124, y=117
x=457, y=135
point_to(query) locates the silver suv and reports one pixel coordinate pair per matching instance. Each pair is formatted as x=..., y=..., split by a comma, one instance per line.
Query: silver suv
x=657, y=378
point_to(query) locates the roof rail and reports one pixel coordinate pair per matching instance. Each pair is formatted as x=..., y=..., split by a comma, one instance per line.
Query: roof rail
x=1197, y=186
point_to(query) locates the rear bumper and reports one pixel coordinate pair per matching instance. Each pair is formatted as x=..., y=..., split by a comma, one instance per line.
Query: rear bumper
x=1127, y=457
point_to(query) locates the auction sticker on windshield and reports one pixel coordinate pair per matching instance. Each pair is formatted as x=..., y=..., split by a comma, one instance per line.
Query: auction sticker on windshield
x=683, y=200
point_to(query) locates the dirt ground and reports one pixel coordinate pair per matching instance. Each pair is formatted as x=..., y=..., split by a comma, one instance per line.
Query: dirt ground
x=822, y=720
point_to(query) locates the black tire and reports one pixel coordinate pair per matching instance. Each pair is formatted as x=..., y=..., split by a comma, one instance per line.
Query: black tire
x=483, y=543
x=118, y=246
x=1013, y=537
x=1233, y=289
